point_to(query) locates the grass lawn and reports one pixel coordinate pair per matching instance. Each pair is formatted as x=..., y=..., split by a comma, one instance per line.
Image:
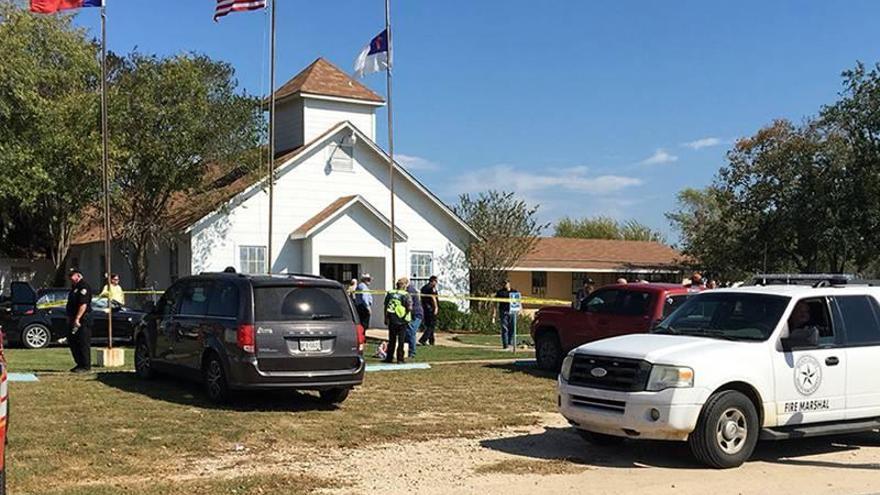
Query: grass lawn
x=58, y=358
x=437, y=353
x=490, y=340
x=52, y=359
x=110, y=433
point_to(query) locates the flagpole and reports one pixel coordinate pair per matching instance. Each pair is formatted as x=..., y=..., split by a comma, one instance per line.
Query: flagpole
x=271, y=136
x=106, y=172
x=390, y=137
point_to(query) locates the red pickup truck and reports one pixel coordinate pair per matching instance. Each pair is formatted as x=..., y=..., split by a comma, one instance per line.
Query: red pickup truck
x=607, y=312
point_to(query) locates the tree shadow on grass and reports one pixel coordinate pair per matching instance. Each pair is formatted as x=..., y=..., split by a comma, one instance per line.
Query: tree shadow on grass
x=527, y=367
x=191, y=393
x=567, y=445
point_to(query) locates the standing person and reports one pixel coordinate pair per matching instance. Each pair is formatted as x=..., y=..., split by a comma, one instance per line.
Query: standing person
x=711, y=284
x=504, y=315
x=431, y=305
x=696, y=280
x=113, y=290
x=418, y=315
x=363, y=300
x=79, y=322
x=583, y=293
x=350, y=290
x=622, y=281
x=398, y=306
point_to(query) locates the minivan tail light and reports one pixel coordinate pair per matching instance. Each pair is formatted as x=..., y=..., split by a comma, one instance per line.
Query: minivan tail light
x=245, y=338
x=362, y=338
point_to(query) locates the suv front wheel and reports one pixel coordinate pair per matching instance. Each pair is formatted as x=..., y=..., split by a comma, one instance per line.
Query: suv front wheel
x=143, y=362
x=215, y=380
x=548, y=351
x=727, y=431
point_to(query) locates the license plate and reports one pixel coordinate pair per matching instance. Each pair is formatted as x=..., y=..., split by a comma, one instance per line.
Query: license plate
x=309, y=345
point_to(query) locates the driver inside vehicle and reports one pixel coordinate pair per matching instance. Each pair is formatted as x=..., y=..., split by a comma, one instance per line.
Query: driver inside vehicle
x=804, y=324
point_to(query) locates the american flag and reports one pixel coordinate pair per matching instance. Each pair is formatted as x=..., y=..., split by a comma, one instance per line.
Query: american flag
x=226, y=6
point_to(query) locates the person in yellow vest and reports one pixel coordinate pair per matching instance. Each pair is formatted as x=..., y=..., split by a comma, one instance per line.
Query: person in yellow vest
x=398, y=314
x=114, y=290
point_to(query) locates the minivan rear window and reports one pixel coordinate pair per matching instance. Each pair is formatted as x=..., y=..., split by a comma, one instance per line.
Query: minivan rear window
x=300, y=303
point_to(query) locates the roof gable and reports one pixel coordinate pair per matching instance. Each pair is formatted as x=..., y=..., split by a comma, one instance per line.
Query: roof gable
x=186, y=209
x=324, y=78
x=337, y=208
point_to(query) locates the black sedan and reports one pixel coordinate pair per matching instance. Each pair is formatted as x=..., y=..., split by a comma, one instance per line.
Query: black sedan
x=36, y=320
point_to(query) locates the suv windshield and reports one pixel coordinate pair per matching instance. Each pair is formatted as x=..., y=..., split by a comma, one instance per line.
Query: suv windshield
x=726, y=315
x=300, y=303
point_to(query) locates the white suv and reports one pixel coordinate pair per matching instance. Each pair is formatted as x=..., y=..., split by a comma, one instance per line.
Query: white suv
x=732, y=366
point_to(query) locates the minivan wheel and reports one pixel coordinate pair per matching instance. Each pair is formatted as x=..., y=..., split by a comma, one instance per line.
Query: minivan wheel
x=143, y=362
x=548, y=351
x=334, y=395
x=600, y=439
x=726, y=432
x=215, y=380
x=36, y=336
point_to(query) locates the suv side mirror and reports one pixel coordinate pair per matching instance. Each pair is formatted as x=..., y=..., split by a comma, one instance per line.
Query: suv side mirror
x=801, y=337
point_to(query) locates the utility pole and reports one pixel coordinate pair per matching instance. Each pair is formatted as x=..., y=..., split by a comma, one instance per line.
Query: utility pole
x=271, y=136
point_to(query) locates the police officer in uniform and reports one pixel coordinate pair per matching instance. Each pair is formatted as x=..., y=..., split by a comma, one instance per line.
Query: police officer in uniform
x=79, y=322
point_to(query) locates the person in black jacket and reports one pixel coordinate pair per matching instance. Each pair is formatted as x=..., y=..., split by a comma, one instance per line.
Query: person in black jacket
x=431, y=305
x=79, y=322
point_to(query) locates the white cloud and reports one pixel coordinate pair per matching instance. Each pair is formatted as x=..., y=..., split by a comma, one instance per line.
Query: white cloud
x=707, y=142
x=576, y=179
x=659, y=157
x=412, y=162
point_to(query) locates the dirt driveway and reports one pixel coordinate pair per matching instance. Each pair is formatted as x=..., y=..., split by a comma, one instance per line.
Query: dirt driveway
x=552, y=459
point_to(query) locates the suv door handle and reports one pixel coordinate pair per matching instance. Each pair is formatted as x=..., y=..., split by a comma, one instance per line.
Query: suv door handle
x=832, y=361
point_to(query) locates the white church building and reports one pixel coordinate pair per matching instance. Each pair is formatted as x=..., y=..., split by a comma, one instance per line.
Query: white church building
x=331, y=208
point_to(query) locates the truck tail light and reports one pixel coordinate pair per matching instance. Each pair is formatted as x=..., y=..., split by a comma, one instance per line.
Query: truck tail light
x=362, y=338
x=245, y=337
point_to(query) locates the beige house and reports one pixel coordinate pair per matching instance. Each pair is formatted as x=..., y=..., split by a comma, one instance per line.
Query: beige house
x=557, y=267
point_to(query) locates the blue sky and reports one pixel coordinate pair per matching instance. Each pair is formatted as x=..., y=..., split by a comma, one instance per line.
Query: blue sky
x=583, y=107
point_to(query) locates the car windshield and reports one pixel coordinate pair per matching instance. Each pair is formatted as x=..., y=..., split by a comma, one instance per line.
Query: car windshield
x=726, y=315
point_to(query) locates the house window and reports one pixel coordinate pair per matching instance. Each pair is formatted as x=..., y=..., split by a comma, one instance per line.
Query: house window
x=539, y=283
x=421, y=267
x=342, y=156
x=252, y=259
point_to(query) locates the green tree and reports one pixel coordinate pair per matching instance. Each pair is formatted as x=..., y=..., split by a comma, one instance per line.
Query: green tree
x=509, y=230
x=49, y=130
x=779, y=205
x=602, y=227
x=855, y=122
x=172, y=119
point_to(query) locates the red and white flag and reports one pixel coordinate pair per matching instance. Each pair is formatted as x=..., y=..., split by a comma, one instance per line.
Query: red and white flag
x=226, y=6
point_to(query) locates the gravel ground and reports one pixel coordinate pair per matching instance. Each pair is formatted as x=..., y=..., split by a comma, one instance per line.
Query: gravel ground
x=551, y=458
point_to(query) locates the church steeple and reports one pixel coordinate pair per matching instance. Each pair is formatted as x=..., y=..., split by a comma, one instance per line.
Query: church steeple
x=319, y=97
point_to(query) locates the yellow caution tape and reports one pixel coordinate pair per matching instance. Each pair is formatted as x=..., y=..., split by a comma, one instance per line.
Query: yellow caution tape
x=442, y=297
x=468, y=297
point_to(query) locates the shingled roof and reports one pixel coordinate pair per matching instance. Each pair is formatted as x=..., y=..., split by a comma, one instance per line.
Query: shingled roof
x=324, y=78
x=562, y=253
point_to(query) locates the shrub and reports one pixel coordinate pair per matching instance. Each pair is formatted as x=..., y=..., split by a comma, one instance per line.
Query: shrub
x=449, y=316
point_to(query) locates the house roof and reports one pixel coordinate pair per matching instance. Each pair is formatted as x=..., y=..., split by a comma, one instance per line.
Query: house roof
x=337, y=208
x=187, y=208
x=566, y=254
x=324, y=78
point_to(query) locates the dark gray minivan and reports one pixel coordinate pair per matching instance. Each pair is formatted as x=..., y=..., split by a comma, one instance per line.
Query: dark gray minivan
x=245, y=332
